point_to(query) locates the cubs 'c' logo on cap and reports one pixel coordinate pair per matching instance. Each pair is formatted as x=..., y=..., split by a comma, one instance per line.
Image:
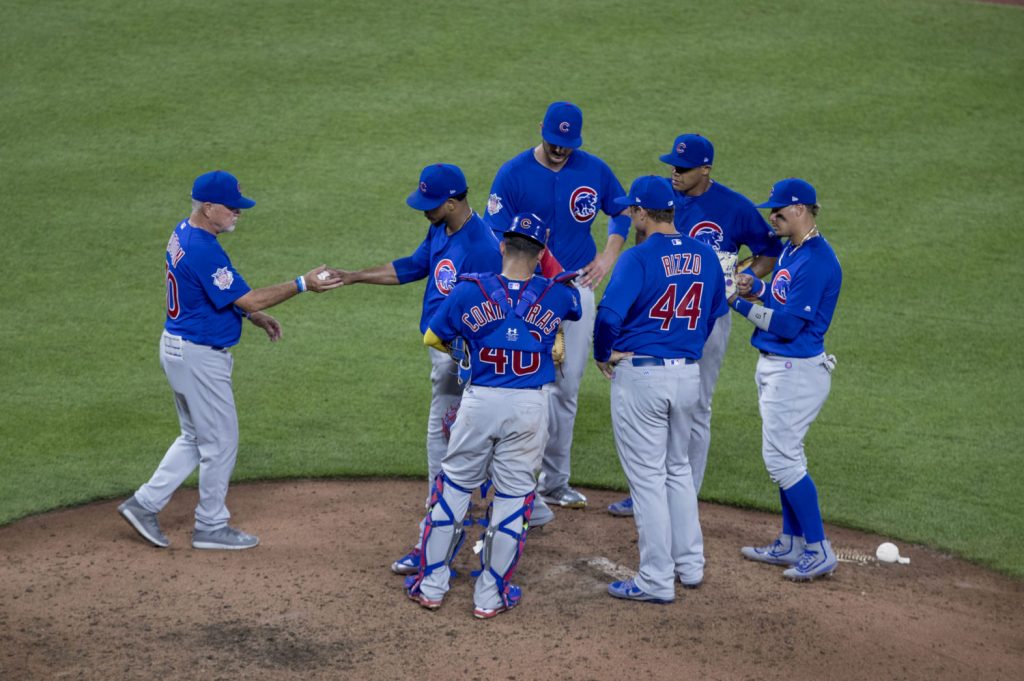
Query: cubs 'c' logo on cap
x=680, y=148
x=707, y=232
x=525, y=223
x=563, y=127
x=583, y=204
x=445, y=276
x=780, y=285
x=423, y=187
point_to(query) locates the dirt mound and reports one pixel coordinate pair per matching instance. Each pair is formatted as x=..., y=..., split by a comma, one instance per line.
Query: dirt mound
x=82, y=597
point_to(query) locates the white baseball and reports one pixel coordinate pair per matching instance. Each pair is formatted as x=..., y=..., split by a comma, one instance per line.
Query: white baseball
x=323, y=275
x=887, y=552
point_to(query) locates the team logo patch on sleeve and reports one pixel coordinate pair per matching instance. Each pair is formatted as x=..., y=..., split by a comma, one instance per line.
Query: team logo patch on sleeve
x=780, y=285
x=445, y=276
x=493, y=204
x=583, y=204
x=709, y=233
x=223, y=278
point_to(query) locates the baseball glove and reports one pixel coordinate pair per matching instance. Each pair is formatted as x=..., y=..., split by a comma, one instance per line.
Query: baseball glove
x=558, y=349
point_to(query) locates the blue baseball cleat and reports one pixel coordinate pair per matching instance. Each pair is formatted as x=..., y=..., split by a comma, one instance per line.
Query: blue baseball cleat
x=818, y=560
x=629, y=591
x=622, y=509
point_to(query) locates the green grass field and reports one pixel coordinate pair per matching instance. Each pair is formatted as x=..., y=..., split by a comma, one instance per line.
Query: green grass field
x=906, y=117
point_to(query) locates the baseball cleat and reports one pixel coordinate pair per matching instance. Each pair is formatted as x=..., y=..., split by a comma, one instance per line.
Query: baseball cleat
x=423, y=601
x=409, y=564
x=565, y=496
x=515, y=594
x=622, y=509
x=629, y=591
x=787, y=549
x=224, y=539
x=818, y=560
x=144, y=522
x=691, y=585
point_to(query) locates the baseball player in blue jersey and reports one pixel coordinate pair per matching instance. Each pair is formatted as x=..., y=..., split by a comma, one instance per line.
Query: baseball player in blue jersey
x=566, y=187
x=509, y=322
x=457, y=241
x=652, y=324
x=206, y=302
x=725, y=220
x=794, y=375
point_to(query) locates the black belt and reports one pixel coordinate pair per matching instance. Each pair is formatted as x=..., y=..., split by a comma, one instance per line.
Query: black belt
x=657, y=361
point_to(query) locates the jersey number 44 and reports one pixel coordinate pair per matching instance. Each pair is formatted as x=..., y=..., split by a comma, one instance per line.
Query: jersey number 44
x=686, y=307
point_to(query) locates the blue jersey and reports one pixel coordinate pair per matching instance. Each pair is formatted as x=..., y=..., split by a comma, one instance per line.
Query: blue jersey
x=725, y=220
x=473, y=248
x=662, y=300
x=510, y=327
x=567, y=201
x=202, y=286
x=805, y=284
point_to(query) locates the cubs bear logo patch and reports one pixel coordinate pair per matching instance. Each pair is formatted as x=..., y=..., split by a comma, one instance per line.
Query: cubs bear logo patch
x=583, y=204
x=780, y=285
x=709, y=233
x=445, y=276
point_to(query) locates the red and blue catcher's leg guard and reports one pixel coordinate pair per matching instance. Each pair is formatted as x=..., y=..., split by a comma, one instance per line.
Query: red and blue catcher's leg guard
x=510, y=516
x=443, y=534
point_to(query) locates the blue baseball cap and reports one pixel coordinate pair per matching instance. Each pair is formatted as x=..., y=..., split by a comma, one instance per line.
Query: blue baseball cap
x=220, y=186
x=563, y=125
x=529, y=226
x=438, y=183
x=790, y=192
x=649, y=191
x=690, y=151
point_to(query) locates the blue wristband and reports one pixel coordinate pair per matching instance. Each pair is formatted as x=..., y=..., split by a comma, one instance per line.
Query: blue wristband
x=300, y=283
x=742, y=306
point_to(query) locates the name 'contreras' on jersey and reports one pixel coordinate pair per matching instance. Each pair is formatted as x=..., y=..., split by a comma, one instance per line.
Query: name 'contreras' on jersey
x=662, y=300
x=494, y=332
x=442, y=258
x=804, y=284
x=567, y=201
x=202, y=287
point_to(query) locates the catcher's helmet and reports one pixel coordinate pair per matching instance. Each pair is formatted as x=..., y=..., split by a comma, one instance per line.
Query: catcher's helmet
x=529, y=226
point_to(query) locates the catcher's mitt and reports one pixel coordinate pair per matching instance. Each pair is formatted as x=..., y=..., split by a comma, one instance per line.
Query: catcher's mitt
x=558, y=349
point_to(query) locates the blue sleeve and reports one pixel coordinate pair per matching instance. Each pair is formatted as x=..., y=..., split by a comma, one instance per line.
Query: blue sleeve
x=758, y=236
x=221, y=282
x=441, y=323
x=575, y=311
x=501, y=206
x=416, y=266
x=624, y=285
x=607, y=327
x=783, y=325
x=619, y=222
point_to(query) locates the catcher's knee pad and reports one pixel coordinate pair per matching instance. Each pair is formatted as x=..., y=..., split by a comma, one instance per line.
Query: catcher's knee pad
x=441, y=515
x=509, y=516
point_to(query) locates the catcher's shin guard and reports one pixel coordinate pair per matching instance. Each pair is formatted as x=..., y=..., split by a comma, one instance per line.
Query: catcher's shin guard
x=443, y=533
x=504, y=542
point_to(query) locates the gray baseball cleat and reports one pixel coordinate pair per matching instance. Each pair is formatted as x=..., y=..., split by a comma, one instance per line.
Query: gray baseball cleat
x=225, y=538
x=818, y=560
x=565, y=496
x=785, y=550
x=144, y=522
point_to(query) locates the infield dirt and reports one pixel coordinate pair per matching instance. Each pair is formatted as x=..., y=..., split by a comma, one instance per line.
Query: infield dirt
x=83, y=597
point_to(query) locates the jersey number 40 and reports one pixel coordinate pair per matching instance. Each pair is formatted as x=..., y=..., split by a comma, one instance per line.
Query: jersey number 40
x=669, y=307
x=500, y=359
